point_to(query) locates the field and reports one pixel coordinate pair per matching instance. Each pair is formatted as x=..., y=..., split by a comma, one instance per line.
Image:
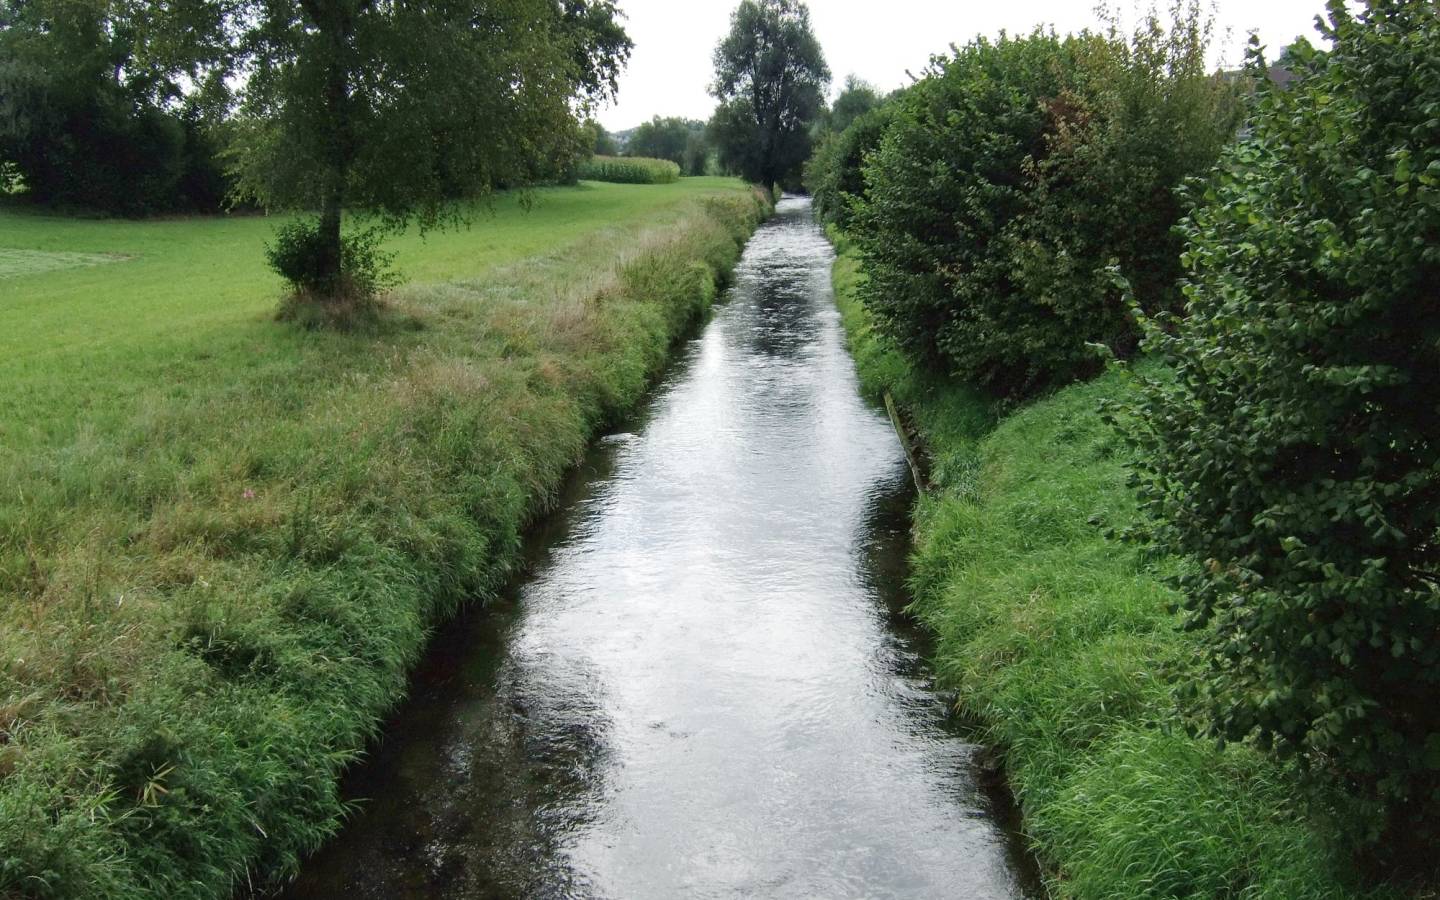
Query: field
x=1060, y=645
x=223, y=538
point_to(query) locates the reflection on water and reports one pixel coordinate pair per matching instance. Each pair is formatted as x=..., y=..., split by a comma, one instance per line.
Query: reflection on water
x=705, y=687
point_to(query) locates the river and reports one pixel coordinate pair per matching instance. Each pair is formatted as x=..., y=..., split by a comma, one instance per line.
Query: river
x=705, y=686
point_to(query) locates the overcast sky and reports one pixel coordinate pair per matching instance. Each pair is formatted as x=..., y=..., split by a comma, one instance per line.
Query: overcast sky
x=878, y=40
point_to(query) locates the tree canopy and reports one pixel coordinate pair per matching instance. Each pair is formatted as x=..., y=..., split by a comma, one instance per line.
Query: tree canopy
x=856, y=98
x=400, y=109
x=682, y=141
x=1292, y=458
x=108, y=104
x=770, y=79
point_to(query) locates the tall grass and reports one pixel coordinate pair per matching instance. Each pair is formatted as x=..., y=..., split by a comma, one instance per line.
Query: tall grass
x=1059, y=644
x=630, y=170
x=218, y=566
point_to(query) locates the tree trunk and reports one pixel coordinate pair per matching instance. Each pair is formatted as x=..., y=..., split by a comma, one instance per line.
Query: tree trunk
x=329, y=261
x=335, y=22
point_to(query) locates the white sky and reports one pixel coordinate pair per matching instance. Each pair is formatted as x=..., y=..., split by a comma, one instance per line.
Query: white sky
x=674, y=39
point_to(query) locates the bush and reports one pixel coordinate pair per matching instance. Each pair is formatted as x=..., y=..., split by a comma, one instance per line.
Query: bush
x=298, y=253
x=630, y=170
x=834, y=176
x=1012, y=174
x=1294, y=458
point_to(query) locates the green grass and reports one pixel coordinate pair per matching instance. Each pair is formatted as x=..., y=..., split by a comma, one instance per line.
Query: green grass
x=33, y=262
x=630, y=170
x=1058, y=642
x=223, y=539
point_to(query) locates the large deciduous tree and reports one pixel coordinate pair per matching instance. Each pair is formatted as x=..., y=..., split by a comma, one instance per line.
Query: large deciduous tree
x=401, y=108
x=770, y=79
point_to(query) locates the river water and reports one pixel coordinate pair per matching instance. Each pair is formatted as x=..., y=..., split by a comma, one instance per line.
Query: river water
x=705, y=686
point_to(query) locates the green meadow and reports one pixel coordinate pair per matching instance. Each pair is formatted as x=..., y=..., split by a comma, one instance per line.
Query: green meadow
x=223, y=538
x=95, y=311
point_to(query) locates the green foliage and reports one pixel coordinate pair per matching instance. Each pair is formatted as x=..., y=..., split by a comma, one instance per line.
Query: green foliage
x=106, y=106
x=603, y=142
x=364, y=269
x=400, y=110
x=857, y=98
x=1058, y=642
x=835, y=176
x=630, y=170
x=223, y=542
x=1013, y=174
x=770, y=78
x=1294, y=459
x=682, y=141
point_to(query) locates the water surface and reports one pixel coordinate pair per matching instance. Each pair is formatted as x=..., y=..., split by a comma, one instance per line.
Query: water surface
x=705, y=687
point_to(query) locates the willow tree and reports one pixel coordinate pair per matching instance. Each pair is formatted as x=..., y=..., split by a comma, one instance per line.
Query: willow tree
x=770, y=79
x=400, y=109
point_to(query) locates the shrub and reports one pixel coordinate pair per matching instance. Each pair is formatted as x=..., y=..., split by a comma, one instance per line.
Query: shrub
x=630, y=170
x=1012, y=174
x=1294, y=457
x=297, y=256
x=834, y=176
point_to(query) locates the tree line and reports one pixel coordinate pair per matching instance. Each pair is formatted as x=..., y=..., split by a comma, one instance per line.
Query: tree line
x=1036, y=207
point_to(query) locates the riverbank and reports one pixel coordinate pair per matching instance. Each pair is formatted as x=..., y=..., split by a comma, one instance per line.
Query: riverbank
x=1058, y=642
x=224, y=540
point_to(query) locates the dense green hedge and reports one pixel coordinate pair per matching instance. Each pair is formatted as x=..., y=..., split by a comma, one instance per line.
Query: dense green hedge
x=834, y=176
x=1011, y=176
x=629, y=170
x=1294, y=458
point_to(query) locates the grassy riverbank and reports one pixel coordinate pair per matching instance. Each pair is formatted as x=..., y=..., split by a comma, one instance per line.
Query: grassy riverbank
x=222, y=539
x=1058, y=642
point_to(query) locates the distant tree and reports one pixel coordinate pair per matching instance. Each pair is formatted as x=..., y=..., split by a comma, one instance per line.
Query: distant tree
x=112, y=105
x=856, y=99
x=770, y=78
x=671, y=138
x=400, y=109
x=697, y=151
x=603, y=143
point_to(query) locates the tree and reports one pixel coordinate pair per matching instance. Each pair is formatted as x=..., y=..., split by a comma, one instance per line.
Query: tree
x=856, y=99
x=671, y=138
x=112, y=105
x=1292, y=460
x=401, y=109
x=770, y=78
x=603, y=143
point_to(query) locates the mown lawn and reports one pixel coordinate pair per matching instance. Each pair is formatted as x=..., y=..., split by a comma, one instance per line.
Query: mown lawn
x=223, y=538
x=187, y=301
